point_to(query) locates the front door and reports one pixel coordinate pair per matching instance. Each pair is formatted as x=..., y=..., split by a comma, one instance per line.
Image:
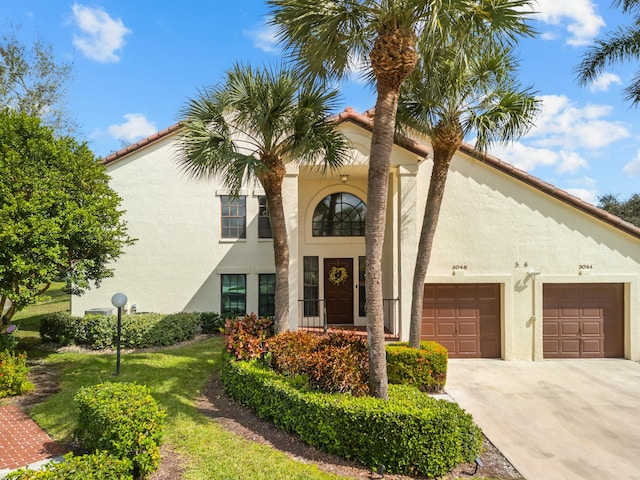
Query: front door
x=338, y=290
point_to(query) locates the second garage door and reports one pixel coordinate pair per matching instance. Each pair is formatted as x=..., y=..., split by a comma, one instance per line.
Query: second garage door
x=583, y=320
x=464, y=318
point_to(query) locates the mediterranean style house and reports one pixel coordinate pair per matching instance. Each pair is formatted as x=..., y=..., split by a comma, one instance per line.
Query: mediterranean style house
x=520, y=270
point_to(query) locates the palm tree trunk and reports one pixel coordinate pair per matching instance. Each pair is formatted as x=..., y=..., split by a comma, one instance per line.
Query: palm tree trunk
x=275, y=205
x=443, y=151
x=377, y=187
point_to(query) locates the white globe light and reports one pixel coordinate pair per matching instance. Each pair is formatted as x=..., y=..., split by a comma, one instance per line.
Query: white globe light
x=119, y=300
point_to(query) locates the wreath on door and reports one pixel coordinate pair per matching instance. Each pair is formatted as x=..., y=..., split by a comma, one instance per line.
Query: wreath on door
x=338, y=275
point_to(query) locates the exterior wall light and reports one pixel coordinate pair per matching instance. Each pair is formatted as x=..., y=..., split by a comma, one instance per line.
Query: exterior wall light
x=344, y=177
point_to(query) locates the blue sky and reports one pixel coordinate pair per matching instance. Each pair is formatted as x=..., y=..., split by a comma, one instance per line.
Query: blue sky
x=136, y=62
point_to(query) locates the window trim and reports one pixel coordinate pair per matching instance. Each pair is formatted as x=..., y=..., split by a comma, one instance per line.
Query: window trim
x=341, y=226
x=261, y=295
x=262, y=217
x=222, y=293
x=230, y=199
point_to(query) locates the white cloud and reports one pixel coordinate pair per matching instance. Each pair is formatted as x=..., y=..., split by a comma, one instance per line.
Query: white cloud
x=101, y=36
x=135, y=127
x=604, y=81
x=585, y=194
x=564, y=136
x=632, y=169
x=571, y=162
x=579, y=17
x=264, y=38
x=525, y=157
x=566, y=125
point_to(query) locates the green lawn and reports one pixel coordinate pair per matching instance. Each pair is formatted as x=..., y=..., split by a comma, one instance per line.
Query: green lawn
x=176, y=377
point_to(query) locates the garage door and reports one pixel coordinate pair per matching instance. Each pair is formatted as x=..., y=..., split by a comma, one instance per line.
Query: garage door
x=583, y=320
x=463, y=318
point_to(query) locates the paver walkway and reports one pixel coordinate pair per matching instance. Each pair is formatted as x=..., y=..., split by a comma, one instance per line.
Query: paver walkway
x=22, y=441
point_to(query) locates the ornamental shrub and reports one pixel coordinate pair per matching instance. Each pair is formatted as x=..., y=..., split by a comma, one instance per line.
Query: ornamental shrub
x=211, y=323
x=60, y=328
x=97, y=466
x=341, y=364
x=425, y=368
x=13, y=374
x=411, y=433
x=124, y=420
x=289, y=352
x=337, y=362
x=245, y=336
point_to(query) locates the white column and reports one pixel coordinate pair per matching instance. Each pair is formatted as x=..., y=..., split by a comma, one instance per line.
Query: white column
x=291, y=211
x=408, y=228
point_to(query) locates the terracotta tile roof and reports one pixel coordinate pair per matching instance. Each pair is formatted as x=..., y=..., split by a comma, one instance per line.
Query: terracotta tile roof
x=365, y=120
x=114, y=157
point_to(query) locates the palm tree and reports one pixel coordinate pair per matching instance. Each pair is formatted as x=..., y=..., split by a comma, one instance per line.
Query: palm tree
x=250, y=127
x=621, y=45
x=455, y=91
x=329, y=37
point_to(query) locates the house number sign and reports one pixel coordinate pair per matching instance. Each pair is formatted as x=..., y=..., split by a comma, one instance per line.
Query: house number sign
x=458, y=267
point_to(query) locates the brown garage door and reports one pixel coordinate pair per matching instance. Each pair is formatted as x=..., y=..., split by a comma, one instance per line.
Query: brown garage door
x=583, y=320
x=463, y=318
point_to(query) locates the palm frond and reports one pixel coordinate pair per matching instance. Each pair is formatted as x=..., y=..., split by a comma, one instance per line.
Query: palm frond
x=620, y=46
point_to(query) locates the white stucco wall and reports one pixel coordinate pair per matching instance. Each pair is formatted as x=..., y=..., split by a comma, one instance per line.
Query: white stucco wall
x=178, y=257
x=493, y=227
x=499, y=229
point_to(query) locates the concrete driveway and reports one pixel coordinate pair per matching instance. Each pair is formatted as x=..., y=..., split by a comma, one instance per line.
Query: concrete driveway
x=556, y=419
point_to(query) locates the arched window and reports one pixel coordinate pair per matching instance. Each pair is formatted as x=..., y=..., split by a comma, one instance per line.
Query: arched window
x=340, y=214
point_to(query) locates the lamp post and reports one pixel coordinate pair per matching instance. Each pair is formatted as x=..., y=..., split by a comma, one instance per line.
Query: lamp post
x=119, y=300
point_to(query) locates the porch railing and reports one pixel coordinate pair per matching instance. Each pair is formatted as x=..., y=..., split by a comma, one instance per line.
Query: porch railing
x=312, y=315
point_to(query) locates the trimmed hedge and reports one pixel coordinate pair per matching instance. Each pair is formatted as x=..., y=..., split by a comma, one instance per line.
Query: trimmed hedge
x=211, y=323
x=410, y=433
x=97, y=466
x=138, y=331
x=425, y=368
x=13, y=374
x=124, y=420
x=60, y=328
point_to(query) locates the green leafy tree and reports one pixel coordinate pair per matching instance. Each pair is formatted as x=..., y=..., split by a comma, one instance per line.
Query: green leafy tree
x=32, y=81
x=330, y=37
x=628, y=210
x=620, y=45
x=455, y=91
x=250, y=127
x=58, y=214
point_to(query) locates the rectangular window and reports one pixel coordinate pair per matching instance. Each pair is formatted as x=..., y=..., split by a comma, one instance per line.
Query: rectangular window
x=362, y=297
x=267, y=295
x=264, y=227
x=234, y=216
x=234, y=294
x=311, y=287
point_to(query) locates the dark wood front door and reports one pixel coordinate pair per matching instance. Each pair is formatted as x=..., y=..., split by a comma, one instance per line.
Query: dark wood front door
x=338, y=290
